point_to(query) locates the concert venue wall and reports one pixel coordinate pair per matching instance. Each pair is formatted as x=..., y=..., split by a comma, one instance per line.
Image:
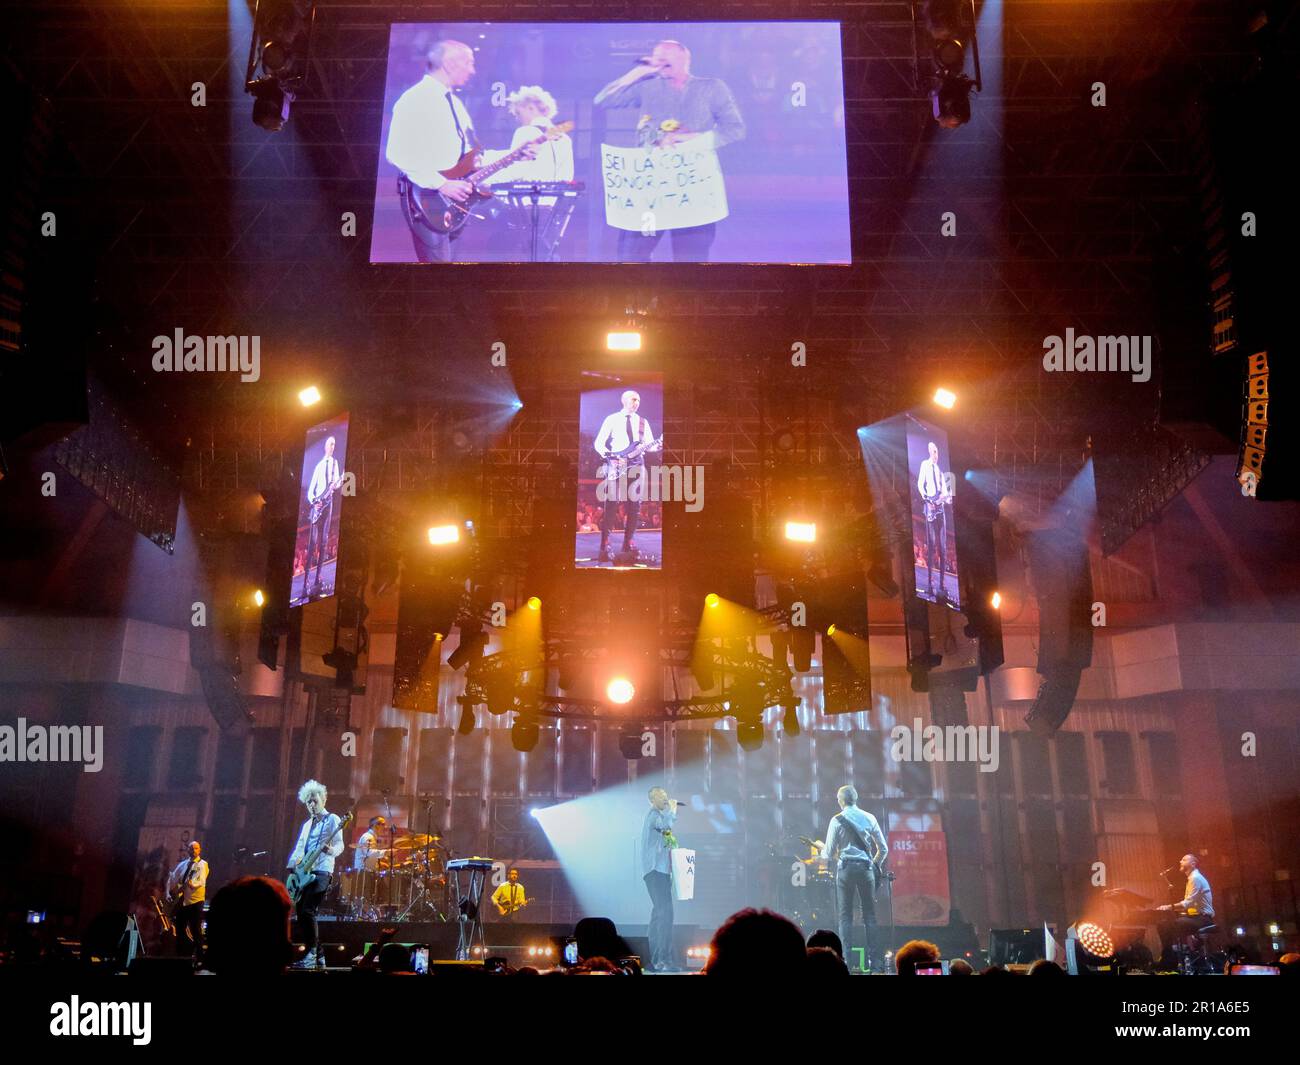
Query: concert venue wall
x=934, y=533
x=320, y=508
x=620, y=507
x=712, y=167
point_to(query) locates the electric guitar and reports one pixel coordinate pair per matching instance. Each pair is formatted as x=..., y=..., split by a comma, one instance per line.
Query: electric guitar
x=443, y=214
x=303, y=873
x=934, y=507
x=318, y=506
x=618, y=461
x=505, y=909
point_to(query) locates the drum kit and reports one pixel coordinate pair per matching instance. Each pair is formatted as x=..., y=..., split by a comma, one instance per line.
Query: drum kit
x=406, y=881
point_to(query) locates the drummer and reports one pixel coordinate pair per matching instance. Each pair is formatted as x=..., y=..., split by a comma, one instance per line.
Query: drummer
x=369, y=846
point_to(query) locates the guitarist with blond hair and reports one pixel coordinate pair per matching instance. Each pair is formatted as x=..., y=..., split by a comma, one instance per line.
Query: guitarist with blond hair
x=320, y=841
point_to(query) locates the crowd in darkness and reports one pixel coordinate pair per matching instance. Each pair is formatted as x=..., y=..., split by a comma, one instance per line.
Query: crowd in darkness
x=248, y=934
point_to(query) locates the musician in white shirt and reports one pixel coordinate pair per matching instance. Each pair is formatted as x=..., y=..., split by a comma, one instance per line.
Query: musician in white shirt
x=930, y=483
x=618, y=432
x=535, y=109
x=430, y=132
x=190, y=879
x=325, y=481
x=370, y=846
x=319, y=830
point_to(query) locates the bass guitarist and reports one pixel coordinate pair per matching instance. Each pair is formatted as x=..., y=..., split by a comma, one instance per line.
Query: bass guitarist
x=186, y=889
x=431, y=132
x=322, y=832
x=325, y=482
x=622, y=431
x=854, y=837
x=930, y=482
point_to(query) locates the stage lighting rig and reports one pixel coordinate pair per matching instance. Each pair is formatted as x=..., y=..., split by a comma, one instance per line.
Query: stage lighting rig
x=277, y=58
x=942, y=72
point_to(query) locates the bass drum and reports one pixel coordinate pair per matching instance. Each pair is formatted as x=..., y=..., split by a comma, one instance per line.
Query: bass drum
x=392, y=892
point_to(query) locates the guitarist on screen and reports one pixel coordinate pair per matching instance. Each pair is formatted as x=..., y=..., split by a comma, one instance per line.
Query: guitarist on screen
x=325, y=482
x=186, y=888
x=934, y=493
x=432, y=132
x=509, y=898
x=623, y=440
x=320, y=841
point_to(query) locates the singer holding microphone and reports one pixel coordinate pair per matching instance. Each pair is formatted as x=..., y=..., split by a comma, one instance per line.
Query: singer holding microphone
x=675, y=107
x=657, y=842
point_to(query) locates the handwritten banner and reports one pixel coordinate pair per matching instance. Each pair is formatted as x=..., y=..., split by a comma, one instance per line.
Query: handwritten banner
x=656, y=189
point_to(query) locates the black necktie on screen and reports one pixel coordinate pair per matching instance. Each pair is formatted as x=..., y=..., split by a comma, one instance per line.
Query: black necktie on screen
x=628, y=419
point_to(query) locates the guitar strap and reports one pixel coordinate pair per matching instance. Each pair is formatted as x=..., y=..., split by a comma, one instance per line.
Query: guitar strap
x=858, y=841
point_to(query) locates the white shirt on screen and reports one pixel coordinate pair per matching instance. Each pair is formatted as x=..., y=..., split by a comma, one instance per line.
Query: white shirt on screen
x=930, y=481
x=325, y=474
x=423, y=139
x=613, y=435
x=554, y=160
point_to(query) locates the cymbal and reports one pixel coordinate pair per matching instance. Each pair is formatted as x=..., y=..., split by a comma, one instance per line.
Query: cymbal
x=407, y=842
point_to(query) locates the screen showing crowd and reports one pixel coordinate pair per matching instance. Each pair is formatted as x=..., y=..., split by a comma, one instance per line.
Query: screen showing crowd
x=620, y=497
x=934, y=540
x=320, y=508
x=620, y=142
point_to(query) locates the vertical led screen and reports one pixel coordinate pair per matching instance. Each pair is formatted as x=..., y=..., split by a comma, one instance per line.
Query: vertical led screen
x=934, y=538
x=320, y=507
x=620, y=441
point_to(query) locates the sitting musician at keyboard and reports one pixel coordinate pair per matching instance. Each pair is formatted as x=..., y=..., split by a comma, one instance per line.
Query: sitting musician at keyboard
x=509, y=898
x=1195, y=910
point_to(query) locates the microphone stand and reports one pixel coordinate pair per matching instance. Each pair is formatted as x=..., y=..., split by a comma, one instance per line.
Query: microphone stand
x=392, y=840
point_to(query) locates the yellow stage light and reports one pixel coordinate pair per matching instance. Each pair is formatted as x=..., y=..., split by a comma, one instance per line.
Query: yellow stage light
x=444, y=534
x=620, y=690
x=945, y=398
x=309, y=396
x=803, y=532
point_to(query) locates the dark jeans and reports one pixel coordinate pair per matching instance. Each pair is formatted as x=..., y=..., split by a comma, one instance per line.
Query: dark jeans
x=690, y=245
x=1174, y=929
x=610, y=516
x=936, y=544
x=308, y=903
x=660, y=886
x=190, y=919
x=855, y=878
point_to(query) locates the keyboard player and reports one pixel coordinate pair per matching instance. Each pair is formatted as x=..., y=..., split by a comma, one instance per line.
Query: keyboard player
x=1195, y=909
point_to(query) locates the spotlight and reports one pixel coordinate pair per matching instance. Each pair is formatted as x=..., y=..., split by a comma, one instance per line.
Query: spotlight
x=466, y=725
x=534, y=603
x=790, y=721
x=712, y=600
x=1095, y=940
x=784, y=439
x=830, y=630
x=1089, y=950
x=259, y=598
x=802, y=532
x=950, y=101
x=620, y=690
x=471, y=646
x=749, y=735
x=630, y=744
x=524, y=735
x=309, y=396
x=271, y=105
x=623, y=340
x=945, y=399
x=535, y=813
x=995, y=601
x=440, y=535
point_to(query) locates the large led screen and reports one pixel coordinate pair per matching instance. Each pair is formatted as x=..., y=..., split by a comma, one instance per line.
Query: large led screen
x=320, y=508
x=620, y=492
x=612, y=142
x=934, y=539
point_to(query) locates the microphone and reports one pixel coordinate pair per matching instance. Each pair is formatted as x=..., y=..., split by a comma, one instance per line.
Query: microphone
x=1171, y=869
